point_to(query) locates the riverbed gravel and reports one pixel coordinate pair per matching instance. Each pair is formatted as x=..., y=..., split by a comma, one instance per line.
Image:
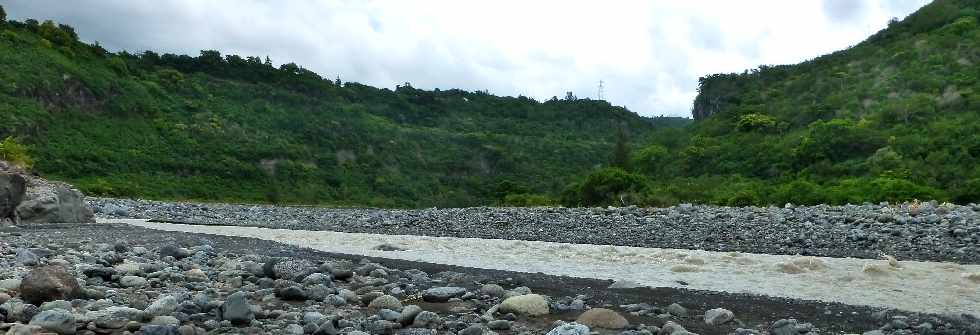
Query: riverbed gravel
x=121, y=279
x=926, y=231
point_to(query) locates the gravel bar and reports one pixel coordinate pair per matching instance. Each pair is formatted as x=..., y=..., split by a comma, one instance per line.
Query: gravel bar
x=911, y=231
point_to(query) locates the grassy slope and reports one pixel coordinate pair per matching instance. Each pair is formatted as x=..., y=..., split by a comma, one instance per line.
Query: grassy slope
x=120, y=125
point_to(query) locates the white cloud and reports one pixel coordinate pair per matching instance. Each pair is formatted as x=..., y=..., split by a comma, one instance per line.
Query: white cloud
x=649, y=53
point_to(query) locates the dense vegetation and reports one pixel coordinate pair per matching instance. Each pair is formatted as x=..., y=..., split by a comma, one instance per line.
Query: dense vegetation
x=894, y=118
x=231, y=128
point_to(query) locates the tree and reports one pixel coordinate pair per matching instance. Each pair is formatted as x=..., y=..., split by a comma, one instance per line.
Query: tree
x=3, y=15
x=621, y=153
x=652, y=159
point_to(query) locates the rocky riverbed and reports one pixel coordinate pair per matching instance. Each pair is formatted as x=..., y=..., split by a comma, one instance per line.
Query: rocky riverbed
x=120, y=279
x=925, y=231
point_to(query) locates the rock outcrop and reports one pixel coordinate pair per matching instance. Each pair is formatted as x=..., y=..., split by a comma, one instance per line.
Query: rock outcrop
x=28, y=199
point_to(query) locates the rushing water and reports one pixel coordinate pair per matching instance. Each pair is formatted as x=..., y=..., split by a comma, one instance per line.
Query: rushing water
x=930, y=287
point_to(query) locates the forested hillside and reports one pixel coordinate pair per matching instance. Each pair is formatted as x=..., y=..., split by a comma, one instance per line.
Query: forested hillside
x=230, y=128
x=894, y=118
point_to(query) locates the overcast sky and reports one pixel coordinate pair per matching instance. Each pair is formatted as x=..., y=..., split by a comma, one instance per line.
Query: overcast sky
x=649, y=53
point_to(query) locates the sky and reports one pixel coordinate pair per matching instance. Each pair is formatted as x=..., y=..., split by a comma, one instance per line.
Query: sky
x=648, y=54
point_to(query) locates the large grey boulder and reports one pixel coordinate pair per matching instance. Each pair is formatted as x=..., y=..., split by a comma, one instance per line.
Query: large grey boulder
x=12, y=188
x=28, y=199
x=47, y=202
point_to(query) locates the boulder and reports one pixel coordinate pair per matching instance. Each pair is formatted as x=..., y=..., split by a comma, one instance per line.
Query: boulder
x=602, y=318
x=12, y=188
x=49, y=283
x=46, y=202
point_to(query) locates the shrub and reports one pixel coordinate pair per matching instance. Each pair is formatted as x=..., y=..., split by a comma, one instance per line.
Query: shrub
x=800, y=192
x=857, y=190
x=610, y=186
x=743, y=198
x=969, y=192
x=15, y=153
x=527, y=200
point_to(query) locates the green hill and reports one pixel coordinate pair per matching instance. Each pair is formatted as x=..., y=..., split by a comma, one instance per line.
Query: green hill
x=230, y=128
x=894, y=118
